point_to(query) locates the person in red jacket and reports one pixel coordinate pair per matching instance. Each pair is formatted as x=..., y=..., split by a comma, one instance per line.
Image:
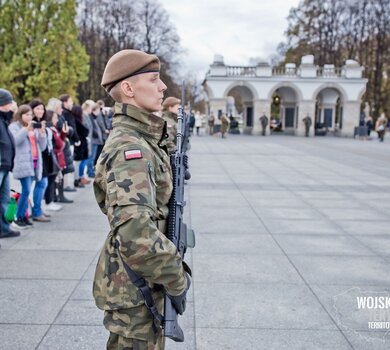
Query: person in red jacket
x=58, y=148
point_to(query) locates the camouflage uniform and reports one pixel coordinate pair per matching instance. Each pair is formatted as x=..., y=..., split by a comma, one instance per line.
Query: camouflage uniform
x=264, y=123
x=225, y=125
x=171, y=119
x=307, y=122
x=132, y=186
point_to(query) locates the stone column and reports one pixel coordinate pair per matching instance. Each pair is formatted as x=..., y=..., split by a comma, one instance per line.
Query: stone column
x=260, y=107
x=247, y=129
x=351, y=112
x=305, y=108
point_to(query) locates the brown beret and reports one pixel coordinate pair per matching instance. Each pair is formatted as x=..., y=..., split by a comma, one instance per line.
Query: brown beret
x=127, y=63
x=169, y=102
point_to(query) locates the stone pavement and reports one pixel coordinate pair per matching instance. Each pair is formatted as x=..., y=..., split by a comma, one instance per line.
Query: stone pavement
x=290, y=231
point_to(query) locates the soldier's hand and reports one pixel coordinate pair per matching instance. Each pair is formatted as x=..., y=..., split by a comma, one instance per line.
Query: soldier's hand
x=179, y=302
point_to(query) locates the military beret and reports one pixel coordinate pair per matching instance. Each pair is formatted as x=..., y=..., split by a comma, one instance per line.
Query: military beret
x=127, y=63
x=169, y=102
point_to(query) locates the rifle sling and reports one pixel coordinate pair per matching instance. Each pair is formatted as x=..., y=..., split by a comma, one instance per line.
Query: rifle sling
x=145, y=290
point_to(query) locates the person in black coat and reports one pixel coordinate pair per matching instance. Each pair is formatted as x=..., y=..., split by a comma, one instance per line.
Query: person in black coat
x=7, y=155
x=73, y=138
x=80, y=151
x=67, y=105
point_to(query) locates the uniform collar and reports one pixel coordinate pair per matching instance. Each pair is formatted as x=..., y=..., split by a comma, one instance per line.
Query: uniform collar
x=146, y=123
x=170, y=115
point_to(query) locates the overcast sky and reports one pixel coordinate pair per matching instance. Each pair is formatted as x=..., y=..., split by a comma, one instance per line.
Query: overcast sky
x=236, y=29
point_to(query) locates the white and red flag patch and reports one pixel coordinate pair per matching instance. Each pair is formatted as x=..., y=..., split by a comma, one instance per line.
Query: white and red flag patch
x=133, y=154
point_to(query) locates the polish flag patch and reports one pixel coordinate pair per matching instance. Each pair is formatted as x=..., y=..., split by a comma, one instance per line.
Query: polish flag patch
x=133, y=154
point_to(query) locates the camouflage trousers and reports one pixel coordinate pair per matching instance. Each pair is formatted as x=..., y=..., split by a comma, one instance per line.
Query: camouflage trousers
x=117, y=342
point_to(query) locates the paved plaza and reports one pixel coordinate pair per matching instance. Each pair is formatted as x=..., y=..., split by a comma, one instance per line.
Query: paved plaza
x=290, y=232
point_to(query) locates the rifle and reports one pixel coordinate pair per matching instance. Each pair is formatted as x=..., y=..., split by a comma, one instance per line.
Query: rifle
x=177, y=229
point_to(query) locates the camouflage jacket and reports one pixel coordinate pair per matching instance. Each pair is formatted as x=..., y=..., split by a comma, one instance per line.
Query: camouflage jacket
x=171, y=119
x=307, y=122
x=225, y=123
x=132, y=186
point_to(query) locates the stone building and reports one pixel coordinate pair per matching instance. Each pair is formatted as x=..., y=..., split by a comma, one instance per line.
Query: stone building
x=331, y=96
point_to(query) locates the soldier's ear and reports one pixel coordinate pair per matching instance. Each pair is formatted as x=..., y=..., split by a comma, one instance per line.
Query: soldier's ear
x=127, y=88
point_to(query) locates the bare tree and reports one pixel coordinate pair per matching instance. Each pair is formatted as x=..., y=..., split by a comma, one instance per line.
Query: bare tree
x=109, y=26
x=156, y=34
x=335, y=30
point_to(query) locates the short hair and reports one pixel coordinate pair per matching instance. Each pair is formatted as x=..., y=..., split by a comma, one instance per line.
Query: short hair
x=64, y=97
x=100, y=103
x=89, y=102
x=115, y=93
x=95, y=107
x=22, y=109
x=53, y=104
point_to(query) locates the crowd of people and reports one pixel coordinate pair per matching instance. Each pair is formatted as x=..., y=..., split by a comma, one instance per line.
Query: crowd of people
x=51, y=149
x=366, y=125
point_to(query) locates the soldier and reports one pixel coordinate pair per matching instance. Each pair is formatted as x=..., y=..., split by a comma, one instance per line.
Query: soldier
x=170, y=108
x=211, y=123
x=132, y=186
x=307, y=122
x=264, y=123
x=381, y=126
x=224, y=125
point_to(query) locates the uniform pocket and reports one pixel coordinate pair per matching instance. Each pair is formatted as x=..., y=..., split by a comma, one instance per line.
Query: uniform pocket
x=111, y=194
x=152, y=184
x=112, y=288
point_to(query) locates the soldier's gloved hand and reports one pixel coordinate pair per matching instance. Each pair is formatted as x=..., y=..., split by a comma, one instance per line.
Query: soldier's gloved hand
x=179, y=302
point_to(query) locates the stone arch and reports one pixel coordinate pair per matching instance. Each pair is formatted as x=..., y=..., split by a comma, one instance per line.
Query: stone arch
x=335, y=86
x=248, y=95
x=329, y=108
x=361, y=93
x=209, y=91
x=292, y=86
x=286, y=118
x=235, y=84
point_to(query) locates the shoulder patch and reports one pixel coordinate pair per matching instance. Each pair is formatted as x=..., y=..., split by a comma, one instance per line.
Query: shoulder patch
x=133, y=154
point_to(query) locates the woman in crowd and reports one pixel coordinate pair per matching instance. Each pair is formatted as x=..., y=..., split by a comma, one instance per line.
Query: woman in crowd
x=59, y=137
x=55, y=105
x=97, y=139
x=87, y=122
x=39, y=111
x=30, y=141
x=81, y=151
